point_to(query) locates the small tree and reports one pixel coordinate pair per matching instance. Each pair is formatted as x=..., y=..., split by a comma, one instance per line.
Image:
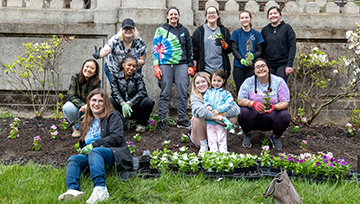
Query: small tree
x=38, y=73
x=315, y=81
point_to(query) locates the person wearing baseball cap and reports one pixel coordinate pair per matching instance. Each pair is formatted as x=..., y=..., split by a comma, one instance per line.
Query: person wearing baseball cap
x=125, y=42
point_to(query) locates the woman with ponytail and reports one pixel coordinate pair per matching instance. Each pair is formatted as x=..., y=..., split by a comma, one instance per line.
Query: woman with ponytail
x=253, y=114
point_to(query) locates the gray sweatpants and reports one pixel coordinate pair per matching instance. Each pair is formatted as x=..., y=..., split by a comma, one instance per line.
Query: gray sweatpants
x=176, y=73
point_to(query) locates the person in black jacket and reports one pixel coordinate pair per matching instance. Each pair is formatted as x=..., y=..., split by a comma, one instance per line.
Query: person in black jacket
x=102, y=146
x=129, y=94
x=280, y=44
x=207, y=54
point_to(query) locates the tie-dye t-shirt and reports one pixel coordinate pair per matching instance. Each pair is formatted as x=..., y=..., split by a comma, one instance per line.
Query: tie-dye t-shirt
x=280, y=90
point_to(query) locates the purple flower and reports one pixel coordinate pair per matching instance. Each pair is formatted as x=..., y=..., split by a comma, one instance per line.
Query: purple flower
x=304, y=141
x=152, y=122
x=130, y=143
x=331, y=165
x=326, y=161
x=324, y=157
x=317, y=163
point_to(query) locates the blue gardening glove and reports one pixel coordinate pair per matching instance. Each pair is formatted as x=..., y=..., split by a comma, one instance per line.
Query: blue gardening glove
x=126, y=110
x=250, y=56
x=96, y=53
x=227, y=123
x=85, y=150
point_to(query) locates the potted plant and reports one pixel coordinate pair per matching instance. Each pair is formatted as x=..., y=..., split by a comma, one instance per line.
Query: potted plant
x=267, y=100
x=218, y=39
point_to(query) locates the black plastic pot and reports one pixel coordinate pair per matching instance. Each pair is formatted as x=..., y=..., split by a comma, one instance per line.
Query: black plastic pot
x=218, y=41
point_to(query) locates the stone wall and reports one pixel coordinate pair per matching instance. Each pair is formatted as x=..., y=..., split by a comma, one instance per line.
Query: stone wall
x=30, y=21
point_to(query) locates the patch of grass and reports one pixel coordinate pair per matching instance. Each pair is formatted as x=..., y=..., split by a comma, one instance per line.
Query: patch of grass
x=43, y=184
x=4, y=113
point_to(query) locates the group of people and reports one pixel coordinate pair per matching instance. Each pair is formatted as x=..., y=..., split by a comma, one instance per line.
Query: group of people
x=262, y=63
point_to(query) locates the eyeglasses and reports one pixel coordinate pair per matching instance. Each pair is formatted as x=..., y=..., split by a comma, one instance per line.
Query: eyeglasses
x=261, y=66
x=211, y=13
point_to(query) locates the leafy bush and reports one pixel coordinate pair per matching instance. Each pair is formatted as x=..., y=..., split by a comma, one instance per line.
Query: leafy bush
x=37, y=74
x=318, y=82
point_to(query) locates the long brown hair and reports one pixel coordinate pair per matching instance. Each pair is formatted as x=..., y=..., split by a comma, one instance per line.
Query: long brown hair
x=88, y=117
x=94, y=80
x=194, y=91
x=218, y=22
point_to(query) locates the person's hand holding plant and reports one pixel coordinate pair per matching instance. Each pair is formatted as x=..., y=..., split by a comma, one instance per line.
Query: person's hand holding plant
x=259, y=107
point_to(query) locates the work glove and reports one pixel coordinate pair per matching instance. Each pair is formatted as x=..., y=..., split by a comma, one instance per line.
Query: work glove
x=250, y=56
x=224, y=45
x=191, y=71
x=157, y=72
x=259, y=107
x=85, y=150
x=126, y=110
x=96, y=53
x=227, y=123
x=246, y=62
x=271, y=109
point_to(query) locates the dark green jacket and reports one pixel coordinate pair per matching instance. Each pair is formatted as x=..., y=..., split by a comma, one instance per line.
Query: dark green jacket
x=77, y=93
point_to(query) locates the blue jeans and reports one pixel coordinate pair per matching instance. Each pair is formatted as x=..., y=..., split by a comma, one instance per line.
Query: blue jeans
x=98, y=160
x=72, y=113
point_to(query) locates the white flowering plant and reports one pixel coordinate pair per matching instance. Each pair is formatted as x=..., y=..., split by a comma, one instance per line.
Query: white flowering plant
x=318, y=81
x=265, y=157
x=349, y=128
x=53, y=132
x=14, y=129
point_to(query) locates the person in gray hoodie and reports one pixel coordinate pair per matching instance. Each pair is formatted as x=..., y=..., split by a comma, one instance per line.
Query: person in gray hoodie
x=197, y=126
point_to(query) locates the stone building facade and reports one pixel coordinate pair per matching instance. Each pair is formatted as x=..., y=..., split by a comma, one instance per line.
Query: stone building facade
x=322, y=21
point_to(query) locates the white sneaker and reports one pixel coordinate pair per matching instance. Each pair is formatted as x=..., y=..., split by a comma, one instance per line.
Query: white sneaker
x=71, y=194
x=203, y=148
x=98, y=195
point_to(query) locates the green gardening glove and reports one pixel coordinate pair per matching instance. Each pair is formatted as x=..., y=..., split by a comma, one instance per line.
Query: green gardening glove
x=126, y=110
x=246, y=62
x=227, y=123
x=85, y=150
x=250, y=56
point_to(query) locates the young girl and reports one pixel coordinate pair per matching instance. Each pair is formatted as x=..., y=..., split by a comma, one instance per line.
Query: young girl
x=218, y=100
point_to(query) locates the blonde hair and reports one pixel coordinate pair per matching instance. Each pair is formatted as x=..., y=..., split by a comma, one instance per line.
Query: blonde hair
x=121, y=37
x=194, y=91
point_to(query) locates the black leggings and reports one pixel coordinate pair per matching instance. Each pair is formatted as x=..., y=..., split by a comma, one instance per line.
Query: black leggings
x=240, y=74
x=141, y=111
x=280, y=71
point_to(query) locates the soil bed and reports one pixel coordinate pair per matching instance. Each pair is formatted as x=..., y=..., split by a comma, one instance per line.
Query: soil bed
x=56, y=151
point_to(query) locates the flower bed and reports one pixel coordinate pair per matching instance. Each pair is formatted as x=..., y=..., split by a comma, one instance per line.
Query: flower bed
x=308, y=166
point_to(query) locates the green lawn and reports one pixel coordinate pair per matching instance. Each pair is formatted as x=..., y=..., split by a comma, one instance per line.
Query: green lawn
x=43, y=184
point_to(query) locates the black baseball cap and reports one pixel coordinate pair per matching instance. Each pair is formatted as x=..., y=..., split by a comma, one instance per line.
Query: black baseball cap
x=128, y=23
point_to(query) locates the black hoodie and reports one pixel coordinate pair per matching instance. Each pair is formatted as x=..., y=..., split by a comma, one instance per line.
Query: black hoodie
x=280, y=45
